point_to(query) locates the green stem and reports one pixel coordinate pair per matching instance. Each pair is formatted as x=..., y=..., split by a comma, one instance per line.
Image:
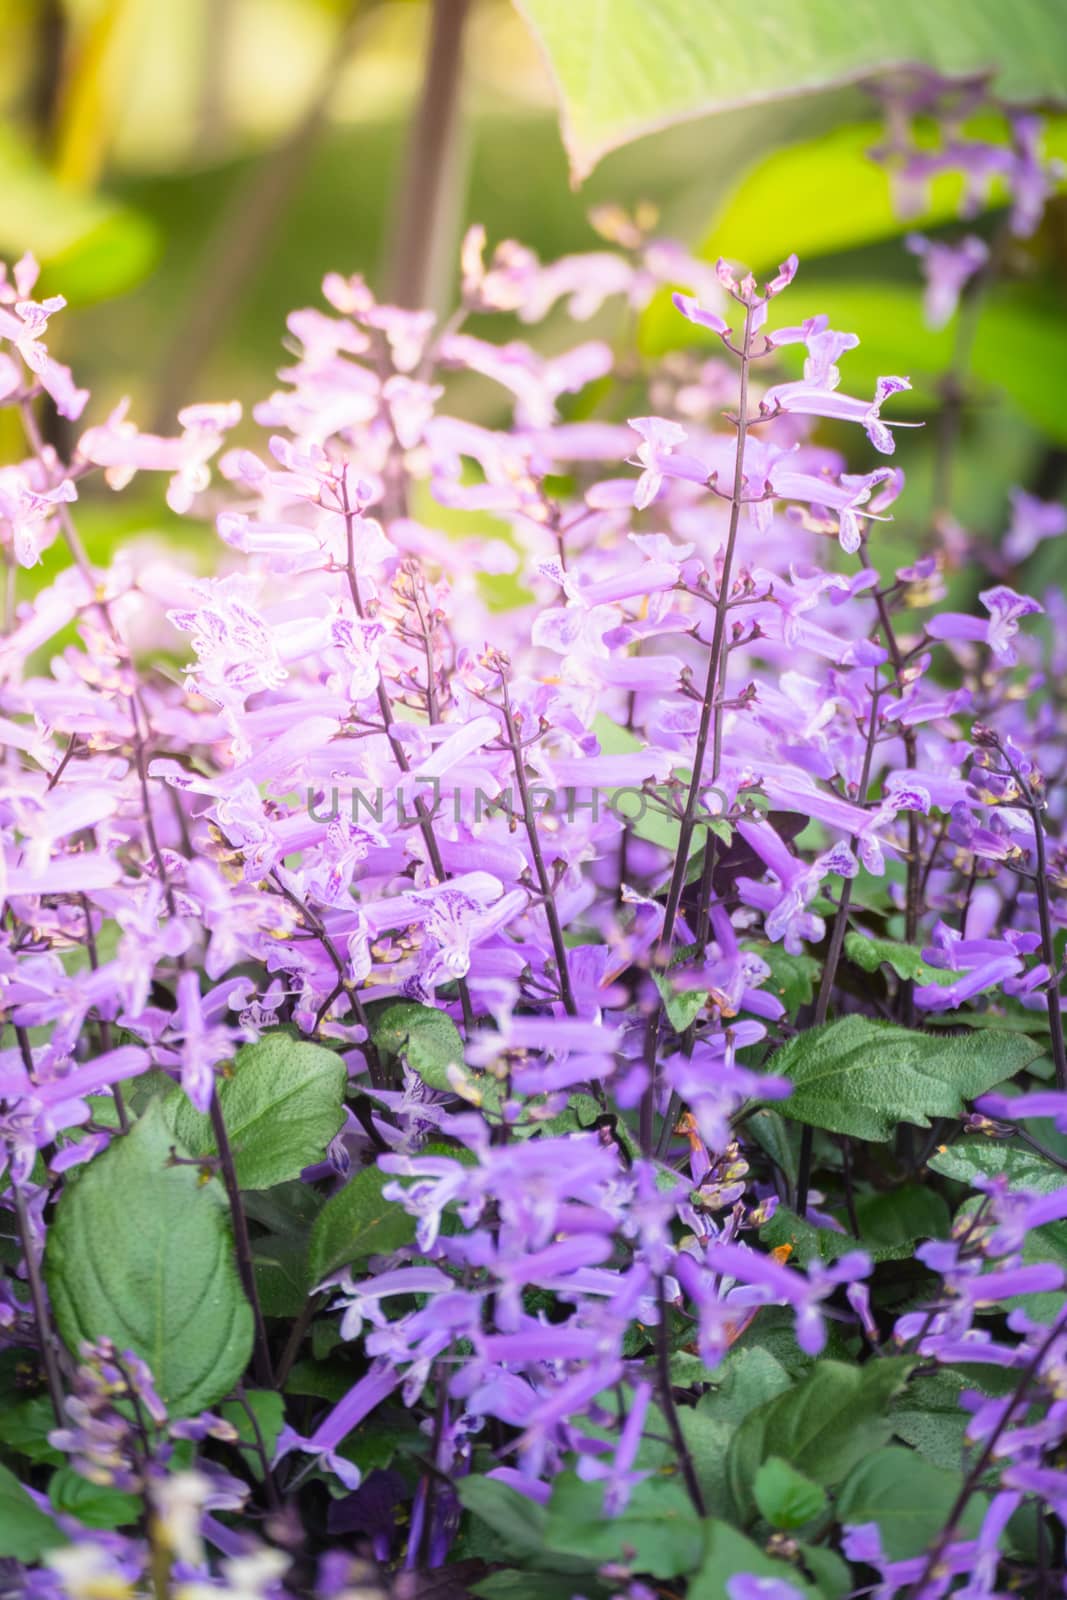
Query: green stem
x=242, y=1243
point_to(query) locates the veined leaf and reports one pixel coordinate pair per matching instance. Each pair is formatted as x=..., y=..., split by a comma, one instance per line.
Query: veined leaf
x=141, y=1252
x=861, y=1077
x=624, y=68
x=823, y=1426
x=282, y=1106
x=357, y=1222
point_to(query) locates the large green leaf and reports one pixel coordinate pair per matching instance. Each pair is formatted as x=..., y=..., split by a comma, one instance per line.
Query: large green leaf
x=90, y=247
x=518, y=1525
x=624, y=68
x=97, y=1505
x=890, y=1226
x=427, y=1039
x=282, y=1106
x=929, y=1417
x=657, y=1533
x=141, y=1253
x=728, y=1553
x=785, y=1497
x=357, y=1222
x=822, y=1427
x=909, y=1499
x=25, y=1530
x=779, y=205
x=862, y=1078
x=968, y=1159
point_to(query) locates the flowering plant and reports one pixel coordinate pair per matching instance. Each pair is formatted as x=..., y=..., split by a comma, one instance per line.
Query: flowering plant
x=565, y=1100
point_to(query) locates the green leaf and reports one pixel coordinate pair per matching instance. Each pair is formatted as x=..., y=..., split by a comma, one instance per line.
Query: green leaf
x=427, y=1039
x=518, y=1522
x=779, y=1139
x=26, y=1532
x=833, y=1579
x=1041, y=1245
x=519, y=1526
x=905, y=960
x=968, y=1159
x=681, y=1005
x=778, y=205
x=747, y=1379
x=525, y=1585
x=25, y=1428
x=624, y=68
x=92, y=1503
x=791, y=977
x=890, y=1225
x=268, y=1409
x=862, y=1078
x=785, y=1497
x=283, y=1105
x=907, y=1497
x=928, y=1416
x=281, y=1275
x=90, y=247
x=141, y=1252
x=321, y=1380
x=727, y=1553
x=658, y=1532
x=822, y=1427
x=357, y=1222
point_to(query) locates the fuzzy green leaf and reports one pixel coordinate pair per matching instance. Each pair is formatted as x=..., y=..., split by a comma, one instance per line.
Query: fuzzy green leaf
x=357, y=1222
x=785, y=1497
x=909, y=1499
x=862, y=1078
x=141, y=1252
x=282, y=1106
x=822, y=1427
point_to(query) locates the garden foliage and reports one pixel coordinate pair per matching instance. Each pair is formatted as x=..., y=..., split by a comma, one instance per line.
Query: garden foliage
x=533, y=1058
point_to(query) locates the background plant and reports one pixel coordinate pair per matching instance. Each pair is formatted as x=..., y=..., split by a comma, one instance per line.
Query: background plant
x=487, y=1186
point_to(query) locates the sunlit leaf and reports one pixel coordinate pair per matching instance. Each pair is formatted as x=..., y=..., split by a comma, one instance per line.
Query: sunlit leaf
x=624, y=68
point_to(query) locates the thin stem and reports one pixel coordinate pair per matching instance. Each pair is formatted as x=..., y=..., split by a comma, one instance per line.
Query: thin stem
x=296, y=1339
x=45, y=1336
x=399, y=753
x=440, y=1420
x=1044, y=914
x=544, y=882
x=977, y=1471
x=260, y=1447
x=913, y=891
x=709, y=715
x=670, y=1410
x=242, y=1243
x=833, y=956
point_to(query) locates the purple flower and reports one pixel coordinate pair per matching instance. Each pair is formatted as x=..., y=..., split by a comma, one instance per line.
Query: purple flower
x=947, y=269
x=346, y=1416
x=1032, y=521
x=1006, y=609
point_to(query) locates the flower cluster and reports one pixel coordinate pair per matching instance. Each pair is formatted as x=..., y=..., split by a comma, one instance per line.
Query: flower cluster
x=553, y=1230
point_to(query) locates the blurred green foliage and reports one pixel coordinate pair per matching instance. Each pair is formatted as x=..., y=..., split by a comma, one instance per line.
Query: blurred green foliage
x=143, y=140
